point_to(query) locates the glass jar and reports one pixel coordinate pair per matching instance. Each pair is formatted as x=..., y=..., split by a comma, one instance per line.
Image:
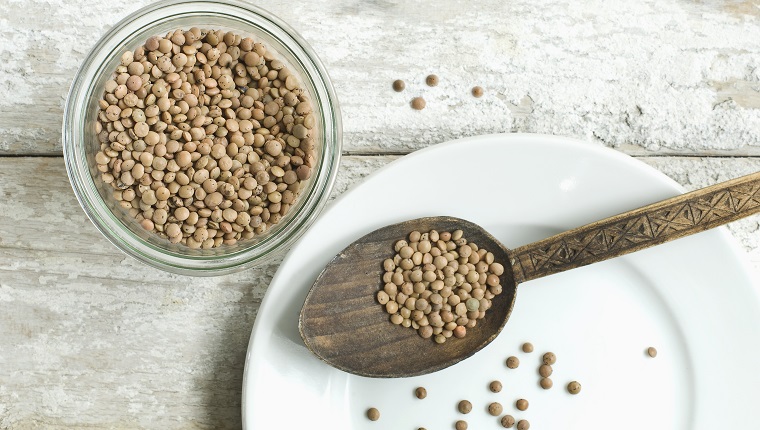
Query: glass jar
x=80, y=142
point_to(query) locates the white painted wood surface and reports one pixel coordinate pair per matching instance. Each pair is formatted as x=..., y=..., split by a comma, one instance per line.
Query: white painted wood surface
x=92, y=338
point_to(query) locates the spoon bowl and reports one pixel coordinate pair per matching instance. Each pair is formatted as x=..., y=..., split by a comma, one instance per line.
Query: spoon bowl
x=343, y=324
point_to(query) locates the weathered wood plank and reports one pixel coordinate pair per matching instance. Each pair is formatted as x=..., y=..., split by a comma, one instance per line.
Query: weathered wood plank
x=645, y=77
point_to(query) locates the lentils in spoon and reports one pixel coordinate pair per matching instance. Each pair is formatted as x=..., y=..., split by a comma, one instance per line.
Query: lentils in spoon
x=439, y=284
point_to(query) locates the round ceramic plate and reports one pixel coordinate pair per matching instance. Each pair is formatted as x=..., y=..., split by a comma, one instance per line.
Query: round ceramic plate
x=692, y=299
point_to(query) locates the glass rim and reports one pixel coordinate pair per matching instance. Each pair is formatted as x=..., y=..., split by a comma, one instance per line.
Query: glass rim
x=216, y=261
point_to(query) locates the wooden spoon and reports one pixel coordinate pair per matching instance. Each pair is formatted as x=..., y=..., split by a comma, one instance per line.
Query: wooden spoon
x=343, y=324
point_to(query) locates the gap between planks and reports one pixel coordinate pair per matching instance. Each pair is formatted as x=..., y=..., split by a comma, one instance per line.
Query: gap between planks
x=726, y=154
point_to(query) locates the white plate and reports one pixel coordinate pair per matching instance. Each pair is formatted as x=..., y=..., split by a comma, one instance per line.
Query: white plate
x=692, y=299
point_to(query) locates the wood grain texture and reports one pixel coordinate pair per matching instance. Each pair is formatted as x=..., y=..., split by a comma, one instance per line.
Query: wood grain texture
x=645, y=77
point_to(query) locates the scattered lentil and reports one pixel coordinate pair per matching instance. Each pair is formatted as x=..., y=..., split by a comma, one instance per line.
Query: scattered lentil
x=373, y=414
x=420, y=392
x=523, y=425
x=549, y=358
x=521, y=404
x=545, y=370
x=431, y=80
x=464, y=406
x=546, y=383
x=574, y=387
x=198, y=106
x=495, y=409
x=460, y=425
x=399, y=85
x=477, y=92
x=431, y=284
x=418, y=103
x=527, y=347
x=495, y=386
x=507, y=421
x=513, y=362
x=652, y=352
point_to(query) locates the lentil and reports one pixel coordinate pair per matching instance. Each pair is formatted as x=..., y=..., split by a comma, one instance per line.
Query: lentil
x=513, y=362
x=464, y=406
x=373, y=414
x=521, y=404
x=549, y=358
x=418, y=103
x=420, y=392
x=188, y=127
x=495, y=386
x=574, y=387
x=421, y=281
x=460, y=331
x=507, y=421
x=546, y=383
x=523, y=425
x=652, y=352
x=545, y=370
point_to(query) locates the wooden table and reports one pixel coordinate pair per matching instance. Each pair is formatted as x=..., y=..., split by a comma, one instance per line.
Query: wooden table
x=92, y=338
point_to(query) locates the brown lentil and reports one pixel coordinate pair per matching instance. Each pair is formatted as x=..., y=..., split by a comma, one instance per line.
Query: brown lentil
x=420, y=392
x=574, y=387
x=423, y=284
x=460, y=331
x=373, y=414
x=418, y=103
x=527, y=346
x=513, y=362
x=507, y=421
x=477, y=92
x=495, y=409
x=521, y=404
x=460, y=425
x=399, y=85
x=431, y=80
x=549, y=358
x=523, y=425
x=652, y=352
x=495, y=386
x=464, y=406
x=546, y=383
x=196, y=134
x=545, y=370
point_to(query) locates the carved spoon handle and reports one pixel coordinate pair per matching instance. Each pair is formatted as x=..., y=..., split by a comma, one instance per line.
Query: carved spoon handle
x=640, y=228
